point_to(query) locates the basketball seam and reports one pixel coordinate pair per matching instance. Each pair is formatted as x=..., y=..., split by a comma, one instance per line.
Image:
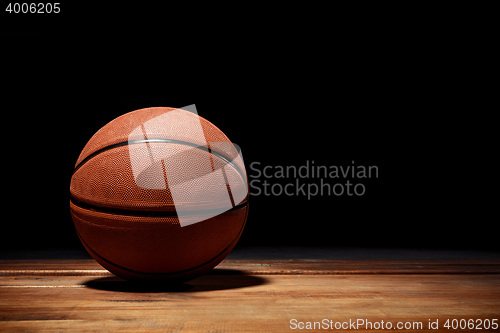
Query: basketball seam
x=126, y=143
x=171, y=273
x=145, y=213
x=155, y=213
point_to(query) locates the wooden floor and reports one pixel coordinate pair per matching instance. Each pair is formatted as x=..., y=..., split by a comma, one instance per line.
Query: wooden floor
x=255, y=296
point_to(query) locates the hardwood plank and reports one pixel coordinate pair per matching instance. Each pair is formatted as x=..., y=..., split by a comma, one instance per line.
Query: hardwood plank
x=247, y=296
x=276, y=266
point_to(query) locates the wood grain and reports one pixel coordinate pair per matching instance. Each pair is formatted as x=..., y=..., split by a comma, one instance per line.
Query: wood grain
x=247, y=296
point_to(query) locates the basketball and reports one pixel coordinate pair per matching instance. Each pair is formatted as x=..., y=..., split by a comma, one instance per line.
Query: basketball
x=159, y=193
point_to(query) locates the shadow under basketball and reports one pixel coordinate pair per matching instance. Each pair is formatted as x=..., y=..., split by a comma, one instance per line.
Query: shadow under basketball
x=217, y=279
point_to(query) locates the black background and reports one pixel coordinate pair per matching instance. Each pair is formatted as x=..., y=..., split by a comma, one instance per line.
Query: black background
x=413, y=95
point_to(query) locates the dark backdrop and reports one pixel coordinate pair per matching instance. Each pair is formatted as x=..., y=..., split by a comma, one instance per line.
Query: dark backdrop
x=410, y=101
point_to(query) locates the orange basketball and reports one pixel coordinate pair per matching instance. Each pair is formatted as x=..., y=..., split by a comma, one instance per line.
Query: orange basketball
x=159, y=193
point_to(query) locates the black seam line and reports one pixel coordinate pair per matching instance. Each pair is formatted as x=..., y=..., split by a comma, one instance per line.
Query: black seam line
x=171, y=273
x=125, y=143
x=149, y=213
